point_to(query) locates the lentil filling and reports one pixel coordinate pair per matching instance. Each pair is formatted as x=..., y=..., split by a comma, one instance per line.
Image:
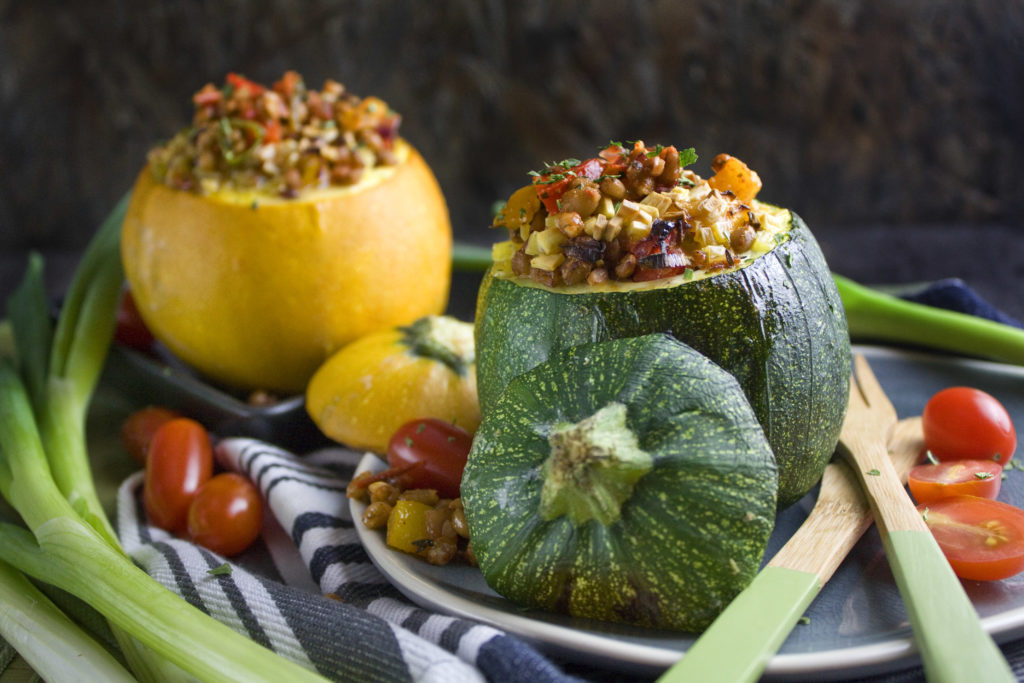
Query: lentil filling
x=279, y=140
x=446, y=537
x=635, y=214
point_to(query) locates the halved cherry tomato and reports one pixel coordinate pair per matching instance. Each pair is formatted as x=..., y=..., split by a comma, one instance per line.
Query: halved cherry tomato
x=180, y=461
x=961, y=423
x=980, y=478
x=138, y=429
x=982, y=539
x=131, y=330
x=226, y=514
x=438, y=449
x=553, y=184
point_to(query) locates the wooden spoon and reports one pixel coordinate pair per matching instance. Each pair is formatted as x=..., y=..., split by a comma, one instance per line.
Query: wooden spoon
x=953, y=644
x=742, y=640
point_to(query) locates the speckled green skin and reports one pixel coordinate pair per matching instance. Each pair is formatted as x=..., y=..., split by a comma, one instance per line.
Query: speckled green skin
x=777, y=325
x=693, y=532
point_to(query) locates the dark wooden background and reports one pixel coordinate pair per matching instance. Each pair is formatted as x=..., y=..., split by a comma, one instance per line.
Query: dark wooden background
x=894, y=128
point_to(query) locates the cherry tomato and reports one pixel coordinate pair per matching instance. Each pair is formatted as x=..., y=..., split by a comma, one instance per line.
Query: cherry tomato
x=131, y=330
x=138, y=429
x=438, y=449
x=961, y=423
x=180, y=461
x=226, y=514
x=982, y=539
x=980, y=478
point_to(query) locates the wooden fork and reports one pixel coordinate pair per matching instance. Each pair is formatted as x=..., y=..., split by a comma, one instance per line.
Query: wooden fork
x=949, y=635
x=739, y=644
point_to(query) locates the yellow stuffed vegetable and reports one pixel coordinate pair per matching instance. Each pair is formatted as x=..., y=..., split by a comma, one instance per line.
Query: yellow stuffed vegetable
x=370, y=388
x=283, y=224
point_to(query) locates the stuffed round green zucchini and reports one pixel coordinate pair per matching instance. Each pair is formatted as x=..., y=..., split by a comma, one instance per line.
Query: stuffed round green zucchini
x=742, y=282
x=627, y=481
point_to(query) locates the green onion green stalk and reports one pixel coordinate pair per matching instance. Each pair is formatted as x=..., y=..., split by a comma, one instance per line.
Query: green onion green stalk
x=66, y=653
x=65, y=538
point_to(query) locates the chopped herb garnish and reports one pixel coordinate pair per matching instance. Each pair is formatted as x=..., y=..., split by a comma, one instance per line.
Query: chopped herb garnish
x=222, y=570
x=420, y=427
x=553, y=178
x=931, y=457
x=688, y=274
x=874, y=473
x=658, y=149
x=451, y=439
x=408, y=441
x=924, y=514
x=983, y=475
x=255, y=204
x=687, y=156
x=804, y=620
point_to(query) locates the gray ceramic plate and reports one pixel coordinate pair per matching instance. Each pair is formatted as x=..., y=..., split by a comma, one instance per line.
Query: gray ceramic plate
x=857, y=625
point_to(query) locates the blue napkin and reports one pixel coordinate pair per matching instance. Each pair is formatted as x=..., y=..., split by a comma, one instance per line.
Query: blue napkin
x=953, y=294
x=324, y=604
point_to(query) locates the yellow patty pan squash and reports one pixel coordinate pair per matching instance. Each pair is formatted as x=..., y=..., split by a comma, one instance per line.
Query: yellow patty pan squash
x=256, y=291
x=370, y=388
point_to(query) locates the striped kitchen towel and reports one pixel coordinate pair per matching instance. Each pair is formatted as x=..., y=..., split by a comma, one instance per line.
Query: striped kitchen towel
x=366, y=630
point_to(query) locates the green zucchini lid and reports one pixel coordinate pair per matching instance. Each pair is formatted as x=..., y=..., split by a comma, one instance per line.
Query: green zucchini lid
x=626, y=480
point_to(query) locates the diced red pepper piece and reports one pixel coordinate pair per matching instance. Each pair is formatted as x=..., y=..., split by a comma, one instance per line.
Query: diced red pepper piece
x=551, y=186
x=616, y=157
x=208, y=95
x=243, y=85
x=287, y=84
x=273, y=131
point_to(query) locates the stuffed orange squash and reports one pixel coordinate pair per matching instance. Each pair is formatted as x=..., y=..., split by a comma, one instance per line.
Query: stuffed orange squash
x=283, y=224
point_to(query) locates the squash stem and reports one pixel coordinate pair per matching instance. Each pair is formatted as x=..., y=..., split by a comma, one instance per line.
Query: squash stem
x=592, y=468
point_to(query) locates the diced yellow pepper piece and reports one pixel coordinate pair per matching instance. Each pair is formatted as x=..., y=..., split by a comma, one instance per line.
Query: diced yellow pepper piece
x=638, y=229
x=550, y=241
x=407, y=525
x=532, y=248
x=503, y=251
x=547, y=261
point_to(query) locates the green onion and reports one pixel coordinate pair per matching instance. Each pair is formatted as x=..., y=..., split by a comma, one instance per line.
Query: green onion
x=66, y=653
x=45, y=475
x=470, y=258
x=873, y=315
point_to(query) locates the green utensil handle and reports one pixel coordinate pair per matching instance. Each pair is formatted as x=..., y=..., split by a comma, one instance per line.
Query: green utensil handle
x=877, y=316
x=742, y=640
x=954, y=647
